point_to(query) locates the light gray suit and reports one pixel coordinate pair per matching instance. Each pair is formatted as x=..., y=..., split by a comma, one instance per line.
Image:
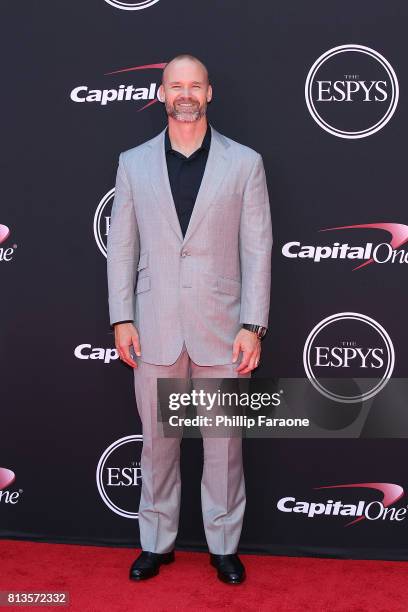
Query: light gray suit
x=188, y=298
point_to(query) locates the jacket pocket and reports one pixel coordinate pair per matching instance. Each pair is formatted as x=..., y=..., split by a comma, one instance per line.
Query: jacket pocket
x=229, y=285
x=143, y=284
x=143, y=260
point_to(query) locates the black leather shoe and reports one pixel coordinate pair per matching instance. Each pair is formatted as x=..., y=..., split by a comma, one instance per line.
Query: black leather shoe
x=148, y=563
x=230, y=568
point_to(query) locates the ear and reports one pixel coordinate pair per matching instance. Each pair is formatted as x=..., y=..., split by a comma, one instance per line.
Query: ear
x=160, y=94
x=209, y=93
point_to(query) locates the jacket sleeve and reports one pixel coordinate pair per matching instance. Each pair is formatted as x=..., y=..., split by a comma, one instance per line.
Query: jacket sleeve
x=255, y=248
x=123, y=248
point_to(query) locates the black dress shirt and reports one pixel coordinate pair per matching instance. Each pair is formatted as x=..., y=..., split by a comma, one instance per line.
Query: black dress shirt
x=185, y=176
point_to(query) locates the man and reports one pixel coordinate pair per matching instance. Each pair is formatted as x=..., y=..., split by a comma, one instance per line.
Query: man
x=189, y=266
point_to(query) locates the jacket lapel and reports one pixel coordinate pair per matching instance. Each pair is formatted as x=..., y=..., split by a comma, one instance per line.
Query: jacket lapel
x=216, y=169
x=159, y=179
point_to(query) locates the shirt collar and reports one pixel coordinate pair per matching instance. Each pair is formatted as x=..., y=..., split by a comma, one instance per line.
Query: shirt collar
x=205, y=144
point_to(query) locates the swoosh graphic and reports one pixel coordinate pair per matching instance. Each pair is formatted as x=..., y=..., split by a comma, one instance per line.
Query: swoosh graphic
x=7, y=477
x=145, y=67
x=4, y=233
x=148, y=104
x=398, y=231
x=391, y=493
x=159, y=66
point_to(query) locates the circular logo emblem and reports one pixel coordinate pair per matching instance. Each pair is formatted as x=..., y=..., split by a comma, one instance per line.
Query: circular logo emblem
x=136, y=5
x=102, y=221
x=118, y=475
x=348, y=357
x=351, y=91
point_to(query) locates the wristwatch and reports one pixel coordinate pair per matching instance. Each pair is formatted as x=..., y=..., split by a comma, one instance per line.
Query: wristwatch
x=258, y=329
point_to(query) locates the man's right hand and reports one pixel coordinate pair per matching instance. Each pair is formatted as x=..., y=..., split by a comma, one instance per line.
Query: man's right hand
x=127, y=335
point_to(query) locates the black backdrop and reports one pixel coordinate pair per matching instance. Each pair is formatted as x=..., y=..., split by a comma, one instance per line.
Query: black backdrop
x=65, y=397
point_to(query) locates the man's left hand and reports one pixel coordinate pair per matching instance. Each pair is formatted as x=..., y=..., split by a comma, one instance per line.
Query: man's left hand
x=250, y=345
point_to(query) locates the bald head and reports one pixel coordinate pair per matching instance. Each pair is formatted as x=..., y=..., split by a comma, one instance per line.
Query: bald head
x=184, y=61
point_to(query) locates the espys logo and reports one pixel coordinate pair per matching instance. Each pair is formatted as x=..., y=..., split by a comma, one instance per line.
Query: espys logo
x=6, y=253
x=351, y=91
x=136, y=5
x=86, y=352
x=382, y=253
x=348, y=357
x=373, y=511
x=101, y=222
x=119, y=476
x=120, y=92
x=7, y=478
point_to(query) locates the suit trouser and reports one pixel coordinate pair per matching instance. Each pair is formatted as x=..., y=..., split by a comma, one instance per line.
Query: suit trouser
x=222, y=485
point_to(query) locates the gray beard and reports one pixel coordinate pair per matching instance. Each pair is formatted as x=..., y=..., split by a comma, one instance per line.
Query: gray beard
x=186, y=116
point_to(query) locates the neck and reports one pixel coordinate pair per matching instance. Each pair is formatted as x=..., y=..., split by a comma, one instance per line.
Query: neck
x=186, y=137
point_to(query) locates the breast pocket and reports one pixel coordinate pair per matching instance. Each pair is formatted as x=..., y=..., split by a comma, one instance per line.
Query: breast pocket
x=226, y=209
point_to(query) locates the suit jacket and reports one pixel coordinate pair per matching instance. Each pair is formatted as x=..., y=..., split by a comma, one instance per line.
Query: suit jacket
x=198, y=289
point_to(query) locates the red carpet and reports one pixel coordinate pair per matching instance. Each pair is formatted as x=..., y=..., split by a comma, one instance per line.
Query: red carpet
x=97, y=581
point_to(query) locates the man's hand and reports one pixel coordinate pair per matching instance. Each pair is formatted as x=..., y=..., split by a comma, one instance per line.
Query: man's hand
x=126, y=334
x=249, y=343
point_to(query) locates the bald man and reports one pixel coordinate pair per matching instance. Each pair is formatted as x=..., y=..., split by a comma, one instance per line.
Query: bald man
x=189, y=267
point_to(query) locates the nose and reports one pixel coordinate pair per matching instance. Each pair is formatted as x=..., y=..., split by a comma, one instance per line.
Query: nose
x=186, y=92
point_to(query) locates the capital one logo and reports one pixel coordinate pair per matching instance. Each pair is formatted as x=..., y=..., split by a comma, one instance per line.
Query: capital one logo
x=136, y=5
x=119, y=477
x=351, y=91
x=7, y=478
x=361, y=509
x=369, y=252
x=348, y=357
x=116, y=90
x=102, y=219
x=87, y=352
